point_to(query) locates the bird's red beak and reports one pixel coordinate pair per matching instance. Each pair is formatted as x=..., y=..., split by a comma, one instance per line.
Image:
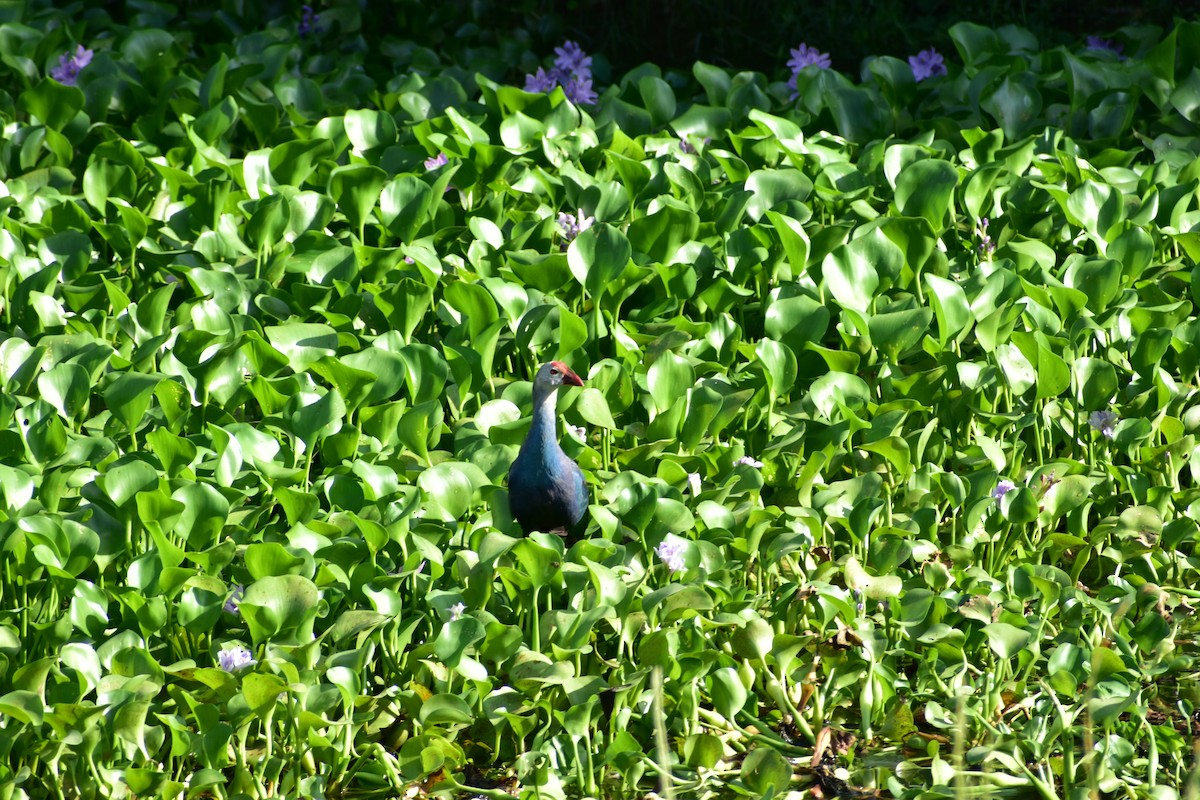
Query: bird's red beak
x=569, y=378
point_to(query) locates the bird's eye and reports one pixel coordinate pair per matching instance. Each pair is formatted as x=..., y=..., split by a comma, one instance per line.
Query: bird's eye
x=553, y=371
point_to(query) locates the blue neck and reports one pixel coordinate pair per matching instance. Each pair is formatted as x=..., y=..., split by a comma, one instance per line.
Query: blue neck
x=542, y=431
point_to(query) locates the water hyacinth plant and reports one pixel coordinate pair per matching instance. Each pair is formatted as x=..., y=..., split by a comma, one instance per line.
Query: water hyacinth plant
x=1099, y=43
x=927, y=64
x=1105, y=422
x=571, y=225
x=572, y=70
x=235, y=659
x=671, y=553
x=888, y=437
x=235, y=597
x=802, y=58
x=70, y=65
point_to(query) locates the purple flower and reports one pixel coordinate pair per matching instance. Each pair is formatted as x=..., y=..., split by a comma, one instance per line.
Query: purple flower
x=926, y=64
x=308, y=22
x=69, y=65
x=572, y=226
x=572, y=70
x=805, y=56
x=234, y=658
x=749, y=462
x=1105, y=422
x=671, y=553
x=578, y=431
x=579, y=90
x=457, y=610
x=986, y=245
x=540, y=81
x=235, y=597
x=437, y=161
x=1100, y=43
x=571, y=59
x=1003, y=488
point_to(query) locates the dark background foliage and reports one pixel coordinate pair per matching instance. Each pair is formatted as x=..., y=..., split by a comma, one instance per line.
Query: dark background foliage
x=673, y=34
x=757, y=34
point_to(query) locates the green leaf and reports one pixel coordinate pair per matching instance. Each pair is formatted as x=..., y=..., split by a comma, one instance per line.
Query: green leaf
x=128, y=397
x=125, y=479
x=262, y=692
x=1006, y=640
x=925, y=188
x=780, y=364
x=368, y=129
x=302, y=343
x=658, y=98
x=312, y=417
x=597, y=257
x=52, y=103
x=1015, y=104
x=356, y=188
x=1095, y=382
x=728, y=694
x=267, y=559
x=669, y=378
x=293, y=162
x=404, y=206
x=66, y=387
x=897, y=331
x=765, y=772
x=1065, y=495
x=772, y=188
x=593, y=407
x=716, y=82
x=281, y=609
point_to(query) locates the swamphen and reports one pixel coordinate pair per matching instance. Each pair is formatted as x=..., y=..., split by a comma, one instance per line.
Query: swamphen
x=546, y=489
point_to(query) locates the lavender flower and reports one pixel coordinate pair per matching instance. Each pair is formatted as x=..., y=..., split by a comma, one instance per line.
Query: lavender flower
x=1100, y=43
x=234, y=658
x=235, y=597
x=1105, y=422
x=571, y=59
x=749, y=462
x=578, y=431
x=457, y=610
x=926, y=64
x=437, y=161
x=572, y=226
x=693, y=479
x=671, y=554
x=1003, y=488
x=688, y=147
x=572, y=70
x=805, y=56
x=579, y=90
x=69, y=65
x=540, y=81
x=308, y=22
x=986, y=245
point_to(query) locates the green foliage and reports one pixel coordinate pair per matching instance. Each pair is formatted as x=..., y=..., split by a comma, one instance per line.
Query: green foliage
x=889, y=419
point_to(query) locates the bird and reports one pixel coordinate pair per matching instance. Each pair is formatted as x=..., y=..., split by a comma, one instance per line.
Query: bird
x=546, y=489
